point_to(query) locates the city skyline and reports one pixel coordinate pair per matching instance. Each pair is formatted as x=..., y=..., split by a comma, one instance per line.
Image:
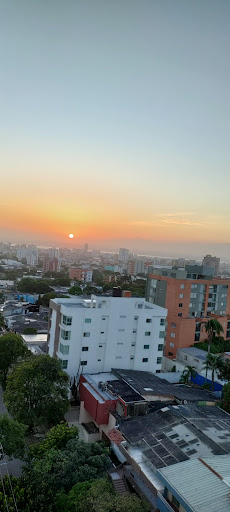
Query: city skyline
x=115, y=125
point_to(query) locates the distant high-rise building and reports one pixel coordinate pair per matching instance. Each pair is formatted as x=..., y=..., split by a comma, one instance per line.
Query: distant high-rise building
x=192, y=296
x=54, y=253
x=81, y=274
x=86, y=247
x=51, y=265
x=213, y=262
x=30, y=253
x=123, y=255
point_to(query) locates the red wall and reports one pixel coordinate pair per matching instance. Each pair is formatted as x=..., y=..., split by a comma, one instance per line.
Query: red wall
x=98, y=411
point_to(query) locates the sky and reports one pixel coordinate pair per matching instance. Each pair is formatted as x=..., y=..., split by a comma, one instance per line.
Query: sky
x=115, y=124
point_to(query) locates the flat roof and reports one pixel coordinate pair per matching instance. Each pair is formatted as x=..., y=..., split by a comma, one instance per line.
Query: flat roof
x=178, y=433
x=193, y=351
x=148, y=384
x=200, y=488
x=34, y=338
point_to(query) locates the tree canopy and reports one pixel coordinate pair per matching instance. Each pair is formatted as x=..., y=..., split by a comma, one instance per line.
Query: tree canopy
x=37, y=391
x=12, y=347
x=212, y=328
x=75, y=290
x=12, y=436
x=30, y=285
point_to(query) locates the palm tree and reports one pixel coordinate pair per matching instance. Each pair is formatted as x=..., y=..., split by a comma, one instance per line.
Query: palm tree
x=212, y=363
x=189, y=371
x=212, y=328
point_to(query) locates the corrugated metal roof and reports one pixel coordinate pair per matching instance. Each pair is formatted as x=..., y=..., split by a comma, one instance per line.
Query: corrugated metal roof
x=201, y=489
x=220, y=464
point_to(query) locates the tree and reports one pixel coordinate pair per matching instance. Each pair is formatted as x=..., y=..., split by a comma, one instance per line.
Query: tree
x=2, y=298
x=19, y=494
x=212, y=363
x=75, y=290
x=12, y=347
x=99, y=496
x=226, y=401
x=224, y=370
x=212, y=328
x=29, y=285
x=187, y=374
x=45, y=300
x=12, y=436
x=57, y=438
x=59, y=469
x=37, y=392
x=30, y=330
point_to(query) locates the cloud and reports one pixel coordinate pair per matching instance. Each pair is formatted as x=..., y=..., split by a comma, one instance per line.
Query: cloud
x=178, y=218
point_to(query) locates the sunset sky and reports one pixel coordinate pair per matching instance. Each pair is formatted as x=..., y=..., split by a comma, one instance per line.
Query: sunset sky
x=115, y=123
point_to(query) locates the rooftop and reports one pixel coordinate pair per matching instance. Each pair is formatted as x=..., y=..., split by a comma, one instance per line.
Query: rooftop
x=149, y=385
x=193, y=351
x=200, y=488
x=178, y=433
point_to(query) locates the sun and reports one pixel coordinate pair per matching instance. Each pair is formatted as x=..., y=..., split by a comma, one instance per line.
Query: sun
x=71, y=235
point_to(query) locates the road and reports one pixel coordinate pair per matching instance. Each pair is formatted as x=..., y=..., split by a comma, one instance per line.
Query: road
x=14, y=465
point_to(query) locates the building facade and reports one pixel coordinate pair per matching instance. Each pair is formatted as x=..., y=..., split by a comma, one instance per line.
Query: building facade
x=213, y=262
x=51, y=265
x=191, y=296
x=30, y=253
x=101, y=333
x=81, y=274
x=123, y=255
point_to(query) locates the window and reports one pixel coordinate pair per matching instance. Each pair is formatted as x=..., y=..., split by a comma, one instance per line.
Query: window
x=175, y=502
x=85, y=349
x=172, y=324
x=172, y=334
x=146, y=347
x=118, y=357
x=64, y=364
x=162, y=321
x=83, y=363
x=159, y=359
x=181, y=295
x=148, y=320
x=171, y=344
x=193, y=286
x=102, y=332
x=87, y=320
x=182, y=286
x=67, y=320
x=147, y=333
x=193, y=295
x=170, y=353
x=160, y=346
x=65, y=335
x=121, y=330
x=64, y=349
x=133, y=344
x=145, y=360
x=120, y=343
x=161, y=334
x=179, y=314
x=185, y=358
x=99, y=359
x=122, y=316
x=134, y=331
x=180, y=305
x=103, y=318
x=140, y=306
x=136, y=318
x=131, y=357
x=158, y=371
x=86, y=334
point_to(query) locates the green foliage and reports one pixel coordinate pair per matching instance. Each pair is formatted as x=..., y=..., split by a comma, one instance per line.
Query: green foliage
x=19, y=493
x=99, y=496
x=226, y=394
x=12, y=436
x=57, y=438
x=30, y=330
x=12, y=347
x=45, y=300
x=88, y=290
x=187, y=374
x=2, y=298
x=137, y=289
x=58, y=470
x=173, y=369
x=37, y=391
x=219, y=345
x=2, y=321
x=29, y=285
x=75, y=290
x=212, y=363
x=224, y=370
x=212, y=328
x=62, y=281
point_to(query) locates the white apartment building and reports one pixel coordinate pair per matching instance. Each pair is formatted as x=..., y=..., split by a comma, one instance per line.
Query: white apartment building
x=54, y=253
x=123, y=255
x=30, y=253
x=97, y=334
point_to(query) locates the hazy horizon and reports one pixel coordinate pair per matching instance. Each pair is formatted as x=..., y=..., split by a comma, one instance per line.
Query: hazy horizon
x=115, y=124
